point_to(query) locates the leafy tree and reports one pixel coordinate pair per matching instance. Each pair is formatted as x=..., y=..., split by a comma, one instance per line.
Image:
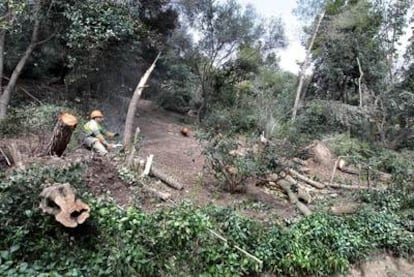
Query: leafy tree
x=222, y=28
x=13, y=12
x=81, y=36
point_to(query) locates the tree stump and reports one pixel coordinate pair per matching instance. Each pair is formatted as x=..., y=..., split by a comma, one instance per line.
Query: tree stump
x=60, y=200
x=319, y=153
x=62, y=134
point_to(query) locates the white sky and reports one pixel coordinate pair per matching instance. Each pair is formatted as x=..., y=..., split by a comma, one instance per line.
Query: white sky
x=283, y=8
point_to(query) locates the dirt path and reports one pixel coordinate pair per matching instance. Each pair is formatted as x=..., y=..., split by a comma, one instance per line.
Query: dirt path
x=177, y=155
x=181, y=157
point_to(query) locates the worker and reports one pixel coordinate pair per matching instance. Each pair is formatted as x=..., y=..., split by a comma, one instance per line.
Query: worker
x=95, y=134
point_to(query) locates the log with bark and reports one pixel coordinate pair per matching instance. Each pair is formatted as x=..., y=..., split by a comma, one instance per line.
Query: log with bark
x=342, y=165
x=160, y=194
x=169, y=180
x=60, y=200
x=305, y=179
x=61, y=134
x=293, y=198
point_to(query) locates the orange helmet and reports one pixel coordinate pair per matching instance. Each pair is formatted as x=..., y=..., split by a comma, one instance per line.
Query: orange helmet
x=185, y=131
x=96, y=113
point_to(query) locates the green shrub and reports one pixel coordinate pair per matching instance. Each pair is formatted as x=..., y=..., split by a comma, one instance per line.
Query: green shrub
x=344, y=145
x=182, y=241
x=31, y=119
x=233, y=163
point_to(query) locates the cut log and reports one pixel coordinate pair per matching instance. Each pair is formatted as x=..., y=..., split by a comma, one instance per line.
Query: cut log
x=349, y=170
x=300, y=161
x=286, y=187
x=60, y=201
x=162, y=195
x=257, y=194
x=381, y=176
x=305, y=170
x=304, y=195
x=303, y=178
x=62, y=134
x=169, y=180
x=350, y=187
x=318, y=152
x=293, y=198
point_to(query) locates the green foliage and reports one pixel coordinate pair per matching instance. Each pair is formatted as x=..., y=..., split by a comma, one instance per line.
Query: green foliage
x=232, y=161
x=127, y=175
x=178, y=241
x=230, y=165
x=31, y=119
x=357, y=151
x=93, y=25
x=344, y=145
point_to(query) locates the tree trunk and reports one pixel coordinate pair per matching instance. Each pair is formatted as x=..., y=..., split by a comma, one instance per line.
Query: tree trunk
x=305, y=67
x=2, y=39
x=5, y=96
x=361, y=74
x=62, y=134
x=132, y=108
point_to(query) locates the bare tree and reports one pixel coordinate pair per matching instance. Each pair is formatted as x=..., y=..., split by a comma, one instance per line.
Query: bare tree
x=132, y=108
x=305, y=66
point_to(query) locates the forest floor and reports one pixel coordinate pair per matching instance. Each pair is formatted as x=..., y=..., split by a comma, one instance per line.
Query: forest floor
x=181, y=158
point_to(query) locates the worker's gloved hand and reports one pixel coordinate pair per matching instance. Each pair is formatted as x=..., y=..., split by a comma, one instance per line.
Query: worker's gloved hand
x=109, y=146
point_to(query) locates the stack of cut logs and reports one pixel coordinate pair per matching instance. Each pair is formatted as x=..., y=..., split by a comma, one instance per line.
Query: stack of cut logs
x=303, y=185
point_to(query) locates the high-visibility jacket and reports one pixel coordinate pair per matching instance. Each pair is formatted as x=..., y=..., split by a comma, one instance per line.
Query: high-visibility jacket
x=93, y=129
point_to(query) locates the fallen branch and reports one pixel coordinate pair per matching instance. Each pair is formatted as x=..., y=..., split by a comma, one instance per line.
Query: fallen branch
x=260, y=262
x=5, y=157
x=170, y=181
x=303, y=178
x=162, y=195
x=31, y=95
x=350, y=187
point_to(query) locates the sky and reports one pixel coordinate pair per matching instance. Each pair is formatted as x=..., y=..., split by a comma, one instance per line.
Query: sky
x=283, y=8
